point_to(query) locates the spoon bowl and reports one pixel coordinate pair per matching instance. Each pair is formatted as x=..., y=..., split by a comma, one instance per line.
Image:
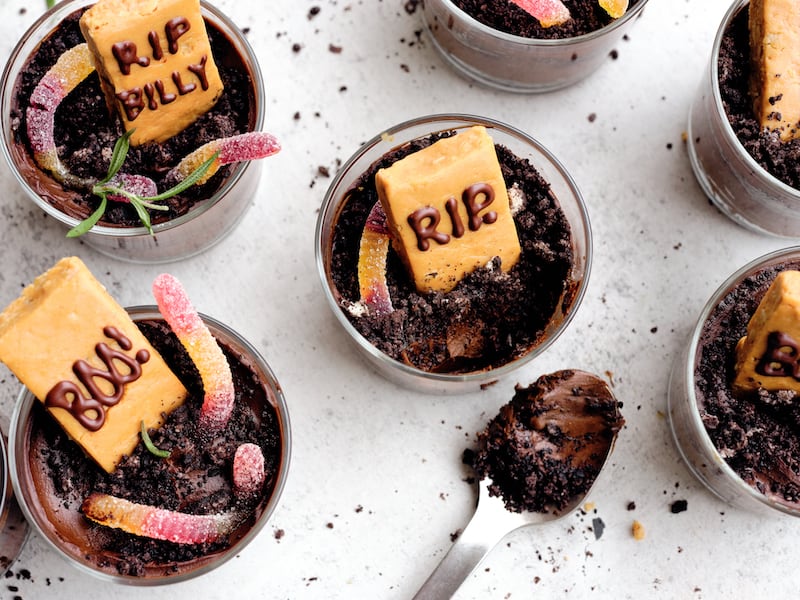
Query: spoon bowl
x=490, y=523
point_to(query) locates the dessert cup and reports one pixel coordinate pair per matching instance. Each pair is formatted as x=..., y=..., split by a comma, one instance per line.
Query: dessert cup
x=684, y=401
x=740, y=187
x=205, y=224
x=514, y=63
x=68, y=534
x=562, y=188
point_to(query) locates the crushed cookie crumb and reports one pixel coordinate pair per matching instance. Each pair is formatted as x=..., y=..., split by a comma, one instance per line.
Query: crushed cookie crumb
x=637, y=529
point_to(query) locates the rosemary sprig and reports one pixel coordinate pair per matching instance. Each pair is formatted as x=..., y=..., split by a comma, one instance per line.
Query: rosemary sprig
x=105, y=188
x=151, y=447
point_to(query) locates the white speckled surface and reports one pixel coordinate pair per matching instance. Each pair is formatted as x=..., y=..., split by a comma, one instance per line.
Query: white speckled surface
x=377, y=486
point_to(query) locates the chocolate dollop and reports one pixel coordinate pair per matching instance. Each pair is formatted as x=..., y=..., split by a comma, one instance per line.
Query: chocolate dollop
x=547, y=445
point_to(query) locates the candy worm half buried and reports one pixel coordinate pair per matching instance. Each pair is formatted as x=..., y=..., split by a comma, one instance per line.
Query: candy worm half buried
x=248, y=473
x=373, y=249
x=554, y=12
x=177, y=527
x=74, y=66
x=185, y=322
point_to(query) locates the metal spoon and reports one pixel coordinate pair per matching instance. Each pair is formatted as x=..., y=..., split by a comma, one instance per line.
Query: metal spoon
x=13, y=534
x=488, y=526
x=13, y=526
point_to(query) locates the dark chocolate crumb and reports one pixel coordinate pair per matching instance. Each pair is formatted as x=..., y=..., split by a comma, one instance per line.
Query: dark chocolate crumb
x=313, y=12
x=678, y=506
x=411, y=6
x=631, y=505
x=598, y=526
x=334, y=49
x=592, y=117
x=614, y=55
x=279, y=533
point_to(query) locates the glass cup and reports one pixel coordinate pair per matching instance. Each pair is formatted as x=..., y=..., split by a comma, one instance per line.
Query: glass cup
x=689, y=433
x=519, y=64
x=205, y=224
x=13, y=526
x=729, y=176
x=65, y=538
x=563, y=188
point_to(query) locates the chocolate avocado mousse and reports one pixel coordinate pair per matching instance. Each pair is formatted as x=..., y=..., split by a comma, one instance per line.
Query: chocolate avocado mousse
x=149, y=443
x=420, y=303
x=85, y=131
x=549, y=443
x=746, y=380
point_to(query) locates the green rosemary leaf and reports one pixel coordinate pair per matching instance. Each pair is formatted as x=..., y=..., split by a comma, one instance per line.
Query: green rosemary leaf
x=121, y=148
x=140, y=203
x=193, y=178
x=89, y=221
x=151, y=447
x=144, y=216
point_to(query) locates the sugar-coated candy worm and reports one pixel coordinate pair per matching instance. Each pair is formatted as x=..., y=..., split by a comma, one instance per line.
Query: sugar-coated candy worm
x=139, y=185
x=246, y=146
x=547, y=12
x=177, y=309
x=248, y=470
x=157, y=523
x=71, y=68
x=614, y=8
x=373, y=250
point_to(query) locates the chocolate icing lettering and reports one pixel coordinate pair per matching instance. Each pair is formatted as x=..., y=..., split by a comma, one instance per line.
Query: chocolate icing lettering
x=200, y=71
x=155, y=44
x=183, y=88
x=165, y=96
x=427, y=232
x=470, y=198
x=90, y=411
x=153, y=94
x=132, y=102
x=782, y=358
x=452, y=209
x=174, y=29
x=126, y=55
x=150, y=92
x=424, y=221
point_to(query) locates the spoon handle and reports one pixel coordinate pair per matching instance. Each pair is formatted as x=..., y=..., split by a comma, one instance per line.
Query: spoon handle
x=480, y=535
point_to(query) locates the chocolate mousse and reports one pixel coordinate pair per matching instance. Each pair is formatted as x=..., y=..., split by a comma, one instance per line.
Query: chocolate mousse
x=779, y=157
x=494, y=314
x=505, y=15
x=195, y=478
x=85, y=132
x=152, y=440
x=756, y=431
x=546, y=447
